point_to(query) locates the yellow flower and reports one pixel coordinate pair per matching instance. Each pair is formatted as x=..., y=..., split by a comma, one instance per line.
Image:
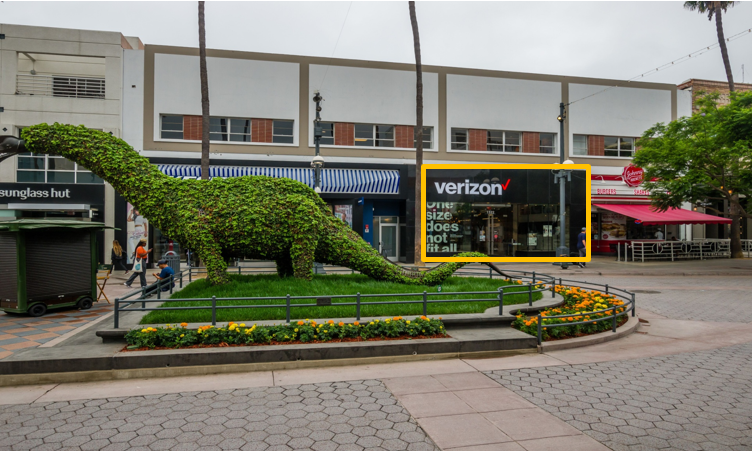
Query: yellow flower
x=325, y=331
x=243, y=325
x=296, y=329
x=182, y=335
x=407, y=322
x=143, y=331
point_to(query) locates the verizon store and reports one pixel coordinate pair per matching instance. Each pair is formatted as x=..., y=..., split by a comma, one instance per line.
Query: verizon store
x=500, y=212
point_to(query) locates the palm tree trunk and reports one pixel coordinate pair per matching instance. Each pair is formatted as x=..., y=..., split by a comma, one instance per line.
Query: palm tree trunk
x=204, y=96
x=723, y=45
x=736, y=246
x=418, y=132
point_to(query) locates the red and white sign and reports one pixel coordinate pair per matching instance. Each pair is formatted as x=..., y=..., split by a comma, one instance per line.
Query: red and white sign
x=606, y=190
x=641, y=192
x=632, y=175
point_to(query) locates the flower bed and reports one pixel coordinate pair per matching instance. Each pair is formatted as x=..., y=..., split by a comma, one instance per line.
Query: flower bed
x=296, y=332
x=580, y=305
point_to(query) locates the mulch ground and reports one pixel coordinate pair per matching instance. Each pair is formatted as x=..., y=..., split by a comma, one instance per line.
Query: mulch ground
x=282, y=343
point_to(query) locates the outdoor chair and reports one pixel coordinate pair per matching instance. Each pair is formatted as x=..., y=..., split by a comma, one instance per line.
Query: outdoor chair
x=103, y=275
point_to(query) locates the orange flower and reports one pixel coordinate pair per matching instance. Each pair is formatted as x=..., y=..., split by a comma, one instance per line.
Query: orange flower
x=183, y=324
x=313, y=323
x=300, y=323
x=424, y=318
x=356, y=323
x=341, y=324
x=230, y=323
x=330, y=322
x=569, y=318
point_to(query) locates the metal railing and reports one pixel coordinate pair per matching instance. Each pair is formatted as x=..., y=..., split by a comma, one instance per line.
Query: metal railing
x=60, y=86
x=619, y=293
x=674, y=250
x=747, y=247
x=531, y=283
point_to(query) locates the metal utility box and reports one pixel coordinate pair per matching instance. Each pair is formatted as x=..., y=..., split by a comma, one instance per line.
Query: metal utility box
x=47, y=264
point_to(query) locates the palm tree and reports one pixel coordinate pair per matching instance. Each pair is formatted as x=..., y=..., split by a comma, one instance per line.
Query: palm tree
x=714, y=10
x=419, y=131
x=204, y=96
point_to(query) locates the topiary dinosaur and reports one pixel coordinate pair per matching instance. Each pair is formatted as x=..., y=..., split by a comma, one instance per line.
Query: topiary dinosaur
x=258, y=217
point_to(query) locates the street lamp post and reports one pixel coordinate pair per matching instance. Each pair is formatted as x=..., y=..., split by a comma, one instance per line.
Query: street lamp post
x=560, y=177
x=318, y=160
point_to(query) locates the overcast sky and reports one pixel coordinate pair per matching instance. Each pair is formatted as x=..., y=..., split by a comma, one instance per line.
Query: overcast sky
x=617, y=40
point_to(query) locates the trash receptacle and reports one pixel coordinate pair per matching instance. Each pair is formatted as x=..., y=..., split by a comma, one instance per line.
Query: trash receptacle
x=173, y=260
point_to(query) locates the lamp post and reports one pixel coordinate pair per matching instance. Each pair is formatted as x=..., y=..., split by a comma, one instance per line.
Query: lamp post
x=9, y=146
x=560, y=177
x=318, y=160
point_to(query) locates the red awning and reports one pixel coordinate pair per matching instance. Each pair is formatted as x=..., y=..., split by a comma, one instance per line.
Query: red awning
x=650, y=216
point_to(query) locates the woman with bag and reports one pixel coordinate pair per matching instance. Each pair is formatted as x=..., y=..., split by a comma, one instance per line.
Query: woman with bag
x=139, y=264
x=116, y=256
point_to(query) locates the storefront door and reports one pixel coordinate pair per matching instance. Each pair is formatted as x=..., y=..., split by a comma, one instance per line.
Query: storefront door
x=388, y=239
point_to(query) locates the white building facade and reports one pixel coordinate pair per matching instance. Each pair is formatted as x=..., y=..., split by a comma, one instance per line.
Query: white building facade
x=50, y=75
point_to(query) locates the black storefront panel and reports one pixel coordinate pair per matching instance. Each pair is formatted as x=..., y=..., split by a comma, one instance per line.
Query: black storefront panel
x=500, y=212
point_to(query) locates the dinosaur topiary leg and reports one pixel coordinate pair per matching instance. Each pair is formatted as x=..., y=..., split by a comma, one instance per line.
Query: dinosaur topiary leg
x=284, y=266
x=302, y=256
x=211, y=254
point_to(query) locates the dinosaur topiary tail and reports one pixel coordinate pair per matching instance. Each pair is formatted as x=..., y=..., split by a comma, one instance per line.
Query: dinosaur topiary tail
x=341, y=246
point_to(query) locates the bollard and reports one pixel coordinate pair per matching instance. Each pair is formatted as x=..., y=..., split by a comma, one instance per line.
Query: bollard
x=552, y=288
x=607, y=285
x=358, y=306
x=614, y=319
x=214, y=310
x=424, y=303
x=143, y=296
x=116, y=313
x=530, y=295
x=633, y=296
x=490, y=272
x=172, y=282
x=181, y=279
x=534, y=277
x=159, y=289
x=501, y=297
x=287, y=308
x=189, y=274
x=239, y=270
x=538, y=328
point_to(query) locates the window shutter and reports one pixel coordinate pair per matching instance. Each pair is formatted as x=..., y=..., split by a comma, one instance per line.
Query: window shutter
x=192, y=128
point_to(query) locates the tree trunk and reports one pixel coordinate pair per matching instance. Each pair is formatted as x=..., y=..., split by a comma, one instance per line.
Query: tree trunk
x=418, y=132
x=735, y=244
x=204, y=96
x=723, y=45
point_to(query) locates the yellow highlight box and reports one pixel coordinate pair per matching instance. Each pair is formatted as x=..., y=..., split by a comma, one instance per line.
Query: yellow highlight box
x=547, y=167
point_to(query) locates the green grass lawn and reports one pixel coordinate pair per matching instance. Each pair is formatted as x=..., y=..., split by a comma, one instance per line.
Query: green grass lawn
x=272, y=285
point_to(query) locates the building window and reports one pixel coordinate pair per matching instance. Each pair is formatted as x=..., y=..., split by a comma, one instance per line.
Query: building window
x=328, y=133
x=368, y=135
x=82, y=88
x=218, y=129
x=51, y=169
x=459, y=139
x=240, y=130
x=501, y=141
x=546, y=142
x=282, y=132
x=580, y=145
x=172, y=127
x=427, y=137
x=618, y=147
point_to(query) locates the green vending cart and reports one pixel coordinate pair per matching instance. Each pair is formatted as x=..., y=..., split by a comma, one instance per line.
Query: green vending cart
x=47, y=264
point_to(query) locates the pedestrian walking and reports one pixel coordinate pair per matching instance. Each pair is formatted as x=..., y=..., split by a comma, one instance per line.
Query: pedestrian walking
x=138, y=264
x=582, y=246
x=117, y=255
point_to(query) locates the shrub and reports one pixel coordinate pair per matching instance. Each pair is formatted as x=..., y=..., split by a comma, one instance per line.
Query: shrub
x=306, y=331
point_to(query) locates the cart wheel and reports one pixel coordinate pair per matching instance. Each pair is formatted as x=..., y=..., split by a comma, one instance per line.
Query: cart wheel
x=85, y=303
x=37, y=310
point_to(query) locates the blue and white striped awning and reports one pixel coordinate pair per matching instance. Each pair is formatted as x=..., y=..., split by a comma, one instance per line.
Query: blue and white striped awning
x=351, y=181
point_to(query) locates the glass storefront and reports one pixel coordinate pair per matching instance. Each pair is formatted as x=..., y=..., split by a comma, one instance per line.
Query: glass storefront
x=500, y=212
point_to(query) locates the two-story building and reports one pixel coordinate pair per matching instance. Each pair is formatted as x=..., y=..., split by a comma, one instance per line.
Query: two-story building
x=261, y=123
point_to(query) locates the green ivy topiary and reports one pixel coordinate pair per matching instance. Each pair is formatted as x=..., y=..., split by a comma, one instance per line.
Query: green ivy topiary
x=258, y=217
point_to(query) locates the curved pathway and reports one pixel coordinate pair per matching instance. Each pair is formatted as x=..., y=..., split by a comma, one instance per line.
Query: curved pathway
x=683, y=382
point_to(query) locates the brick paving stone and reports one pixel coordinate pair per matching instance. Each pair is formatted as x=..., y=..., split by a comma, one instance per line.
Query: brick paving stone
x=700, y=414
x=278, y=420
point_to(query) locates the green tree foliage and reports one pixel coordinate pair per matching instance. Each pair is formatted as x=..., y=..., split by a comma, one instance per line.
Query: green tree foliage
x=258, y=217
x=702, y=158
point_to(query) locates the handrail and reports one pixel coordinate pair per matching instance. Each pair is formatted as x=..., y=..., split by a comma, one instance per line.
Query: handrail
x=537, y=284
